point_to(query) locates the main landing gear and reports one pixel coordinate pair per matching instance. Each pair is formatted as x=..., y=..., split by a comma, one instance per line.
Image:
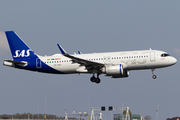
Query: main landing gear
x=154, y=76
x=94, y=79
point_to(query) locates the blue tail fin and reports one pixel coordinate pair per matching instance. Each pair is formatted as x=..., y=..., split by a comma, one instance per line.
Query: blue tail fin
x=19, y=49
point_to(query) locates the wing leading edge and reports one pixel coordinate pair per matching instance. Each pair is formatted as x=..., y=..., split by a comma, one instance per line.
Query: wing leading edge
x=81, y=61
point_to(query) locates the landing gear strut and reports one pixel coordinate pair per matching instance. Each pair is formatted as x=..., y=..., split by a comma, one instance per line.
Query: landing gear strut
x=154, y=76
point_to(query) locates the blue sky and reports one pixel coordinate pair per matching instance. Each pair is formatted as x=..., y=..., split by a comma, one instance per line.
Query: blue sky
x=91, y=26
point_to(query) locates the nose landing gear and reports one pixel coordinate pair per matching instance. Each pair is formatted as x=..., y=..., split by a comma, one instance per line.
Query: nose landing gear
x=154, y=76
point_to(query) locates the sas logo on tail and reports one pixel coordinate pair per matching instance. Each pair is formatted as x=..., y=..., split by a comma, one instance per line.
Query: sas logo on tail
x=22, y=53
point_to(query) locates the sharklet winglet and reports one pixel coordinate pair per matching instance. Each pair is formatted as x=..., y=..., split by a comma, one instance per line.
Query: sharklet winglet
x=79, y=52
x=61, y=49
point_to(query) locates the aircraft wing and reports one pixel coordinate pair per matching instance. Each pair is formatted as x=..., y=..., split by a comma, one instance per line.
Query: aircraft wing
x=80, y=60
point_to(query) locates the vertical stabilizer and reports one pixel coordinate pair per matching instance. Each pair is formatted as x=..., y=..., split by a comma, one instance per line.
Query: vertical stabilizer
x=19, y=49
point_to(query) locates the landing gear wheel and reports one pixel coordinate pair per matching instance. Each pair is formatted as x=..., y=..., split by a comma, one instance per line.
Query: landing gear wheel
x=97, y=80
x=93, y=79
x=154, y=76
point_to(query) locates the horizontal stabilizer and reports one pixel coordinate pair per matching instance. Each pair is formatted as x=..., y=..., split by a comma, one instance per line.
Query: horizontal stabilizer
x=12, y=63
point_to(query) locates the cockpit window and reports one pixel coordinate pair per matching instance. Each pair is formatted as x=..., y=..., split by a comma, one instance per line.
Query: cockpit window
x=164, y=55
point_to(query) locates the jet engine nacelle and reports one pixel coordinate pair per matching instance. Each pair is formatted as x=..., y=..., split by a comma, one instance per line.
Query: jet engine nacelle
x=125, y=74
x=113, y=70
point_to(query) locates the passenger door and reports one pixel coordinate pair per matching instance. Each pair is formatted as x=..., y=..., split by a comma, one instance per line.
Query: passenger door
x=152, y=56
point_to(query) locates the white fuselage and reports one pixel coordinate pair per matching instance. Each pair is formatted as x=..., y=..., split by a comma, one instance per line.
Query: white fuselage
x=131, y=60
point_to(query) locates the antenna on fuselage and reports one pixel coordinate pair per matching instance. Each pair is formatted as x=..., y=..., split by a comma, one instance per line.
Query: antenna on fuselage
x=150, y=49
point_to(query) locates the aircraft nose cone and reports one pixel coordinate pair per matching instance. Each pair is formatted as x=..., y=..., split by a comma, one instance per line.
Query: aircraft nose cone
x=174, y=61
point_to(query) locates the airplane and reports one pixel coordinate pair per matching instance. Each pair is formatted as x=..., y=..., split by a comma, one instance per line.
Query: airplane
x=113, y=64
